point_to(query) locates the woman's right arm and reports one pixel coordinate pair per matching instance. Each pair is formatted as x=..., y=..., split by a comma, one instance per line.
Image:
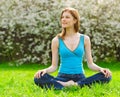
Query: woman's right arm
x=54, y=47
x=54, y=65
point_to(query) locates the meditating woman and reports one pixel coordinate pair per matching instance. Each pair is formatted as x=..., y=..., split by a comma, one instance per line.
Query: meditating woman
x=71, y=46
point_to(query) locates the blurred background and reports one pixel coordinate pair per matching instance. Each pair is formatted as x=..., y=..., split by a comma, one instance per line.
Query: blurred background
x=28, y=26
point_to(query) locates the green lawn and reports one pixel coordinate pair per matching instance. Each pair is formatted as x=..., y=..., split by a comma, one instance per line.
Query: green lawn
x=18, y=82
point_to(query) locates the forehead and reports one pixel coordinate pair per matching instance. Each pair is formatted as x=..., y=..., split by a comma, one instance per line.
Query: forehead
x=66, y=13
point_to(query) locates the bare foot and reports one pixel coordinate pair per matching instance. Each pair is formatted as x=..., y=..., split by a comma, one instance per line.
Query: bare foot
x=68, y=83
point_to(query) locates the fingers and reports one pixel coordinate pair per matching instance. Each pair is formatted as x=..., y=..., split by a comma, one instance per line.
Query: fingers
x=40, y=73
x=107, y=73
x=104, y=73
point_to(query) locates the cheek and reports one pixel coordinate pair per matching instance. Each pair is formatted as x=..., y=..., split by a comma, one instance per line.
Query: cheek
x=72, y=23
x=69, y=22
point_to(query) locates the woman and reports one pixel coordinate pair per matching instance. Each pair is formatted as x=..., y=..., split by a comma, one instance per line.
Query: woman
x=71, y=46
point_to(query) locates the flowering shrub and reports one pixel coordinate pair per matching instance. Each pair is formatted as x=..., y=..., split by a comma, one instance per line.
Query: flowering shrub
x=28, y=26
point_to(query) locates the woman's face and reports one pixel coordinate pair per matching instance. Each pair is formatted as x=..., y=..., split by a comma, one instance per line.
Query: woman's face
x=67, y=20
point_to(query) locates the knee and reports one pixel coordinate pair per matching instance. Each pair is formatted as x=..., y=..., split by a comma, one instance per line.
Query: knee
x=36, y=81
x=109, y=79
x=105, y=79
x=39, y=81
x=42, y=80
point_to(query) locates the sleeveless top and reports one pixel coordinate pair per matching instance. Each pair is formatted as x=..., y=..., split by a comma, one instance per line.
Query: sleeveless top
x=71, y=61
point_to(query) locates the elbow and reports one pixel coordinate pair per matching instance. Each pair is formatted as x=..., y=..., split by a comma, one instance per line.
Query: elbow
x=54, y=68
x=90, y=65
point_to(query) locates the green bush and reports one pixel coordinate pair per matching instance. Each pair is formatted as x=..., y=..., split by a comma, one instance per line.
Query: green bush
x=28, y=26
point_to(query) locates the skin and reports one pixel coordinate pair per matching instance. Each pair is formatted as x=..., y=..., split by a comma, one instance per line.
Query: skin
x=71, y=41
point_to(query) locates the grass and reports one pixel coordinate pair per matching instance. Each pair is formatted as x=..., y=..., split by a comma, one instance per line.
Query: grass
x=18, y=82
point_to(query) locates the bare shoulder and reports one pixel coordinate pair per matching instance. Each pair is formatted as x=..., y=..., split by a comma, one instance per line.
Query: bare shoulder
x=55, y=41
x=86, y=39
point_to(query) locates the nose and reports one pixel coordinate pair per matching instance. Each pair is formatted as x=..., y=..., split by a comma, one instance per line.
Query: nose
x=63, y=19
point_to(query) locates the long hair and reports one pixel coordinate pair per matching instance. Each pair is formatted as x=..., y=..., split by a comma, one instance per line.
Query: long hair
x=75, y=15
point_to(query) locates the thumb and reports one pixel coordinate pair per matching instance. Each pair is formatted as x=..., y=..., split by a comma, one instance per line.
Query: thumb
x=103, y=72
x=43, y=73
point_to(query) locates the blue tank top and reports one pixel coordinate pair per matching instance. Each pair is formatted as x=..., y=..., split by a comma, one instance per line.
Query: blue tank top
x=71, y=61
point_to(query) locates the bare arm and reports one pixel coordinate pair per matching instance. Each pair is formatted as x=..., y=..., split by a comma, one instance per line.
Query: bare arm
x=88, y=54
x=90, y=62
x=54, y=65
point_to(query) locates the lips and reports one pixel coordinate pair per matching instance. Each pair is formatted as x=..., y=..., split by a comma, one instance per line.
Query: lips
x=64, y=23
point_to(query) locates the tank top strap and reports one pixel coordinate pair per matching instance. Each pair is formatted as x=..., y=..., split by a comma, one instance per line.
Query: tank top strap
x=60, y=42
x=82, y=39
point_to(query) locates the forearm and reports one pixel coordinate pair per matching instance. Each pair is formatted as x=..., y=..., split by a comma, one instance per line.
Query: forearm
x=94, y=67
x=51, y=69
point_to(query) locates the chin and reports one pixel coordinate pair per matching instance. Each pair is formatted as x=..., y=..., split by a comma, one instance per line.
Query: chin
x=64, y=26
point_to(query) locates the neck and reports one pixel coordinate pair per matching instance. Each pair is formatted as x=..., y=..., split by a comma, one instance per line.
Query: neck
x=70, y=31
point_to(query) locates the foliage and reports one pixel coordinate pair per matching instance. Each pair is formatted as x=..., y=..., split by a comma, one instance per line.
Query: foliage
x=28, y=26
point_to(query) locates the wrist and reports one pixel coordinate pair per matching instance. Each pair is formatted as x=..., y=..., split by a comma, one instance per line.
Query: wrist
x=45, y=70
x=100, y=69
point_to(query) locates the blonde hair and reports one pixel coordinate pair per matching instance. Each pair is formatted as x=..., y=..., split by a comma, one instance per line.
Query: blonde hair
x=75, y=15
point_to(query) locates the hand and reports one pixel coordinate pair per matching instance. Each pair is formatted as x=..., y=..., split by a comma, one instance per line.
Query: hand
x=40, y=73
x=106, y=72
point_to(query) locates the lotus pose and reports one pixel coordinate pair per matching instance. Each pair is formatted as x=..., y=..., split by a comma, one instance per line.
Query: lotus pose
x=71, y=46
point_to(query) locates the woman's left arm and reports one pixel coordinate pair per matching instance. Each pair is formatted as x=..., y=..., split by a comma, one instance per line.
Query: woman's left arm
x=90, y=62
